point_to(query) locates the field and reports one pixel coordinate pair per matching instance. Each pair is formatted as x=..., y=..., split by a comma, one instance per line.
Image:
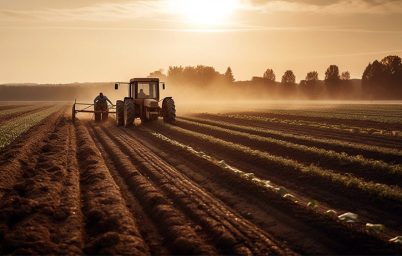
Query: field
x=311, y=180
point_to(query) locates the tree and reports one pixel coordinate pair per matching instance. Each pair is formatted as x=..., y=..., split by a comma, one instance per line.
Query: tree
x=229, y=75
x=374, y=79
x=332, y=75
x=288, y=77
x=393, y=72
x=383, y=79
x=345, y=76
x=392, y=64
x=175, y=73
x=158, y=74
x=269, y=75
x=367, y=74
x=199, y=75
x=312, y=77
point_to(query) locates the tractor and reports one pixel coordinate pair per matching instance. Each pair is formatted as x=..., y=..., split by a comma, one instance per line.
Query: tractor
x=143, y=102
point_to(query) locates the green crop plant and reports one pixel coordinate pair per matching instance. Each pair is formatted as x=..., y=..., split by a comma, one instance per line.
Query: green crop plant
x=341, y=158
x=10, y=130
x=381, y=191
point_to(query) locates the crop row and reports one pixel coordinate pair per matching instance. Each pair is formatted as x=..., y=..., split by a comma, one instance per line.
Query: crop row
x=311, y=173
x=379, y=153
x=4, y=107
x=47, y=192
x=21, y=109
x=11, y=130
x=328, y=158
x=370, y=115
x=319, y=125
x=278, y=194
x=229, y=230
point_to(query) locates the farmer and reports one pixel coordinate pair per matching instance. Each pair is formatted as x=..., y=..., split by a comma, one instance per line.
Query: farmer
x=101, y=99
x=100, y=104
x=142, y=95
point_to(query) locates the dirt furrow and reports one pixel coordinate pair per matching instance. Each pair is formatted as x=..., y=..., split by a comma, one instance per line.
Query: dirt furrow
x=382, y=141
x=148, y=229
x=109, y=226
x=41, y=214
x=368, y=169
x=354, y=149
x=182, y=235
x=308, y=184
x=250, y=236
x=304, y=229
x=18, y=154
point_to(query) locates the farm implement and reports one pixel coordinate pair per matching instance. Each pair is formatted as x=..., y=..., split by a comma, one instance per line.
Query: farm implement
x=101, y=113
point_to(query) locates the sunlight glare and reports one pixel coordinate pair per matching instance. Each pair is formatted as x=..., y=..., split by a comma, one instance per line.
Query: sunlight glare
x=205, y=12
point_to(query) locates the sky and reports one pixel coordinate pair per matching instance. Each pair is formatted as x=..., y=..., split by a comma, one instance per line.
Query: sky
x=63, y=41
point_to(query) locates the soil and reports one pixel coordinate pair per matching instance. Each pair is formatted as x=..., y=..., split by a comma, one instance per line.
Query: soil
x=89, y=188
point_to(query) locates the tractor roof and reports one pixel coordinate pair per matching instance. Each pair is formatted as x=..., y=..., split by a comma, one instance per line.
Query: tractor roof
x=144, y=80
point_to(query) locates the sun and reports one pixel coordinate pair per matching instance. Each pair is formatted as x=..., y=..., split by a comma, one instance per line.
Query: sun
x=205, y=12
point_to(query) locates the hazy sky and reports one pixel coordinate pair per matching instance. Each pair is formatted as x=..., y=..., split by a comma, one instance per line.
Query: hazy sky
x=51, y=41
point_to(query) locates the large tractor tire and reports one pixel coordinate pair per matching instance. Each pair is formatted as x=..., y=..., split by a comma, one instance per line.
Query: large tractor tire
x=168, y=110
x=129, y=112
x=119, y=113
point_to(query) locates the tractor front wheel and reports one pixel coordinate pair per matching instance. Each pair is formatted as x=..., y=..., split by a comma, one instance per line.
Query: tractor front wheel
x=129, y=112
x=119, y=113
x=168, y=110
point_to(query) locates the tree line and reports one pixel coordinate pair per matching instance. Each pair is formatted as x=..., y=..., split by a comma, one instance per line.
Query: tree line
x=380, y=79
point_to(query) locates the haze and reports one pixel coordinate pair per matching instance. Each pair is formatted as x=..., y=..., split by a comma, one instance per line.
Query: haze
x=60, y=41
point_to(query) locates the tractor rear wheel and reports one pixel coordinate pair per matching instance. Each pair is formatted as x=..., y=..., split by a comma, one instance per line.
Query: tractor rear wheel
x=119, y=113
x=168, y=110
x=129, y=112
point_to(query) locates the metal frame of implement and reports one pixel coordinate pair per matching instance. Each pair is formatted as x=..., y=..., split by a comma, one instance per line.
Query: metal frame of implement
x=85, y=110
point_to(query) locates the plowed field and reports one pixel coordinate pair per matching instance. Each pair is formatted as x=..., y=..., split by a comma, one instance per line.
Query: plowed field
x=243, y=183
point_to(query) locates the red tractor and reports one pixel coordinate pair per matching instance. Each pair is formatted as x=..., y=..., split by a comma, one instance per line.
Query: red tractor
x=143, y=102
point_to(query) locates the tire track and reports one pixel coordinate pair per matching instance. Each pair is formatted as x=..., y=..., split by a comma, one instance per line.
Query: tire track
x=239, y=234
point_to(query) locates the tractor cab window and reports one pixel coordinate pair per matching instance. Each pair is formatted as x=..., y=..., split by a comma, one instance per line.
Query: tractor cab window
x=147, y=90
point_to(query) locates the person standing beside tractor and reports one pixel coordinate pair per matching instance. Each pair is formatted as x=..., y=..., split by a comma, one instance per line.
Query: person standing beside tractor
x=101, y=107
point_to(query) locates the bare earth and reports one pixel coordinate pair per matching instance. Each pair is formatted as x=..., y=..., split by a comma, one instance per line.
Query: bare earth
x=86, y=188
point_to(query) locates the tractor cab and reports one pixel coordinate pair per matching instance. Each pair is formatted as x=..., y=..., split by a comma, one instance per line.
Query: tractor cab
x=144, y=88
